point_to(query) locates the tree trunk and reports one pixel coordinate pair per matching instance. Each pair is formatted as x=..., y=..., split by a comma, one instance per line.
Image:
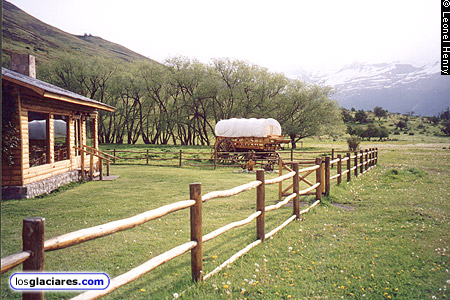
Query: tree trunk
x=293, y=142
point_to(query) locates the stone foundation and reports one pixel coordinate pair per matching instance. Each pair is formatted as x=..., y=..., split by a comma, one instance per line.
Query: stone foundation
x=40, y=187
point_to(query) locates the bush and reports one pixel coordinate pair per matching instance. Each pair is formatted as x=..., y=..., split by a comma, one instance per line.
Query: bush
x=353, y=143
x=361, y=116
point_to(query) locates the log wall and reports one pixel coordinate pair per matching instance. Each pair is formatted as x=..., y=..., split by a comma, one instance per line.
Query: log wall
x=20, y=173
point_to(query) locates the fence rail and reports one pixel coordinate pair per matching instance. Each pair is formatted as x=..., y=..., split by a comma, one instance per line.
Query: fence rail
x=356, y=163
x=207, y=159
x=32, y=256
x=102, y=156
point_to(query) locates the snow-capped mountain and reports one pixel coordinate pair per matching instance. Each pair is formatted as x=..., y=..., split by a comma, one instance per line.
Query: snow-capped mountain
x=395, y=86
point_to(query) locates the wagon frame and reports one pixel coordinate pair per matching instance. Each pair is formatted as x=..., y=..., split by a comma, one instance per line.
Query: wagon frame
x=241, y=150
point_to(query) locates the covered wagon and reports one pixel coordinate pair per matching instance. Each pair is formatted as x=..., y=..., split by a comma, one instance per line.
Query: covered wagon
x=241, y=140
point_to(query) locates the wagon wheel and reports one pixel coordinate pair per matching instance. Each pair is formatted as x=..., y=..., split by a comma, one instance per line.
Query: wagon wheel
x=248, y=160
x=271, y=161
x=222, y=149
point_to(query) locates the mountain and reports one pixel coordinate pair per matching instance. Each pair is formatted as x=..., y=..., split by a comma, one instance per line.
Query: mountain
x=23, y=33
x=394, y=86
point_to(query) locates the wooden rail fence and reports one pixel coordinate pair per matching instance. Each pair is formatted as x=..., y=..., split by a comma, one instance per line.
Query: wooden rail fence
x=204, y=159
x=34, y=245
x=354, y=162
x=92, y=152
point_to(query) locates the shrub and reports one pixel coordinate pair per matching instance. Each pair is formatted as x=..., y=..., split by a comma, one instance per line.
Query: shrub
x=353, y=143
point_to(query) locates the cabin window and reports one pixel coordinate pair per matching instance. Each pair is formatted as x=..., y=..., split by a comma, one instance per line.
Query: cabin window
x=90, y=132
x=61, y=137
x=38, y=130
x=77, y=131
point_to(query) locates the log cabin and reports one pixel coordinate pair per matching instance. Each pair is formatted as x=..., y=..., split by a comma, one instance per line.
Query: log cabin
x=43, y=129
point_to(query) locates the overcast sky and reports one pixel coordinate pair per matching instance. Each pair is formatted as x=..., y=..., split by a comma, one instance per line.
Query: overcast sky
x=281, y=35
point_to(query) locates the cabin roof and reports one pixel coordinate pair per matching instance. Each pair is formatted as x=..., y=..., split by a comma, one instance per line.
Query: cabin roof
x=48, y=90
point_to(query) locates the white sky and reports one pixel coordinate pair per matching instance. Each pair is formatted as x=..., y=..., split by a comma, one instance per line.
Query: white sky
x=282, y=35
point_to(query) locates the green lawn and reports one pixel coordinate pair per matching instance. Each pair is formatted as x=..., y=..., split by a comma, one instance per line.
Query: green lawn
x=388, y=239
x=383, y=236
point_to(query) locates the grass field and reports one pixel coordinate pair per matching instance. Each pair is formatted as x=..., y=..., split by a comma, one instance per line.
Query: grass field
x=384, y=235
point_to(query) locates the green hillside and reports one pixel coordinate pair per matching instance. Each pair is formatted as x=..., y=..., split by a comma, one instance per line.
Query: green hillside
x=393, y=126
x=22, y=33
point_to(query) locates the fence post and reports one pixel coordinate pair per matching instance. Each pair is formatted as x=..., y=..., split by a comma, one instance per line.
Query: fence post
x=181, y=156
x=195, y=191
x=349, y=166
x=376, y=156
x=260, y=206
x=332, y=156
x=292, y=154
x=91, y=165
x=296, y=189
x=107, y=168
x=319, y=178
x=114, y=159
x=147, y=156
x=356, y=163
x=361, y=161
x=371, y=156
x=33, y=241
x=322, y=174
x=327, y=175
x=215, y=159
x=366, y=159
x=83, y=174
x=280, y=173
x=339, y=169
x=100, y=161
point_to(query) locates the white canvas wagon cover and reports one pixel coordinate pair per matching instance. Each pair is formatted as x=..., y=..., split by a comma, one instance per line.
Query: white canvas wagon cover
x=247, y=127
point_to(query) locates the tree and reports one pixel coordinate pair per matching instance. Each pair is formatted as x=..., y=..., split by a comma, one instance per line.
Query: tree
x=347, y=115
x=192, y=99
x=445, y=121
x=361, y=116
x=402, y=124
x=183, y=98
x=380, y=112
x=445, y=115
x=369, y=132
x=305, y=110
x=353, y=143
x=230, y=76
x=91, y=77
x=446, y=127
x=434, y=120
x=383, y=132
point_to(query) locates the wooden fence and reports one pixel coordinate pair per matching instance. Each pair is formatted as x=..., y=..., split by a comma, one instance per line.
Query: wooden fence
x=357, y=162
x=92, y=152
x=34, y=245
x=207, y=158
